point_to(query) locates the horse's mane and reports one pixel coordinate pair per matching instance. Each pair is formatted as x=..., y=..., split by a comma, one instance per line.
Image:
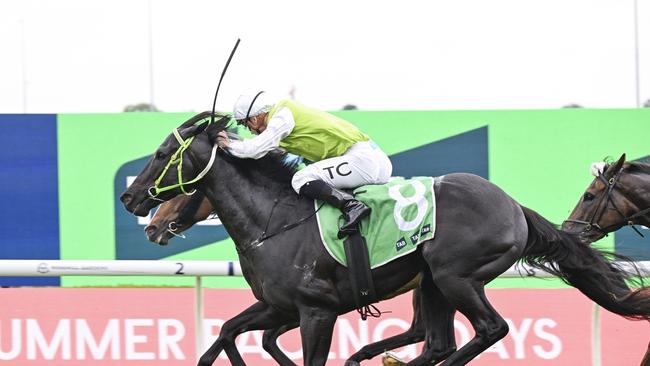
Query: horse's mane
x=277, y=164
x=638, y=166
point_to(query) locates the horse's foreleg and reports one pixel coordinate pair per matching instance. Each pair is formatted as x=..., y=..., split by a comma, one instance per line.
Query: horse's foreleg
x=257, y=316
x=270, y=345
x=316, y=327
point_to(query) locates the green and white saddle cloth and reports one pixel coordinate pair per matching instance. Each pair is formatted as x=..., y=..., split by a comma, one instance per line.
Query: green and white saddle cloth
x=403, y=216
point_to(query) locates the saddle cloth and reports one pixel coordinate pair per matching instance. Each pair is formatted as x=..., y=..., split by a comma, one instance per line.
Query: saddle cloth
x=403, y=216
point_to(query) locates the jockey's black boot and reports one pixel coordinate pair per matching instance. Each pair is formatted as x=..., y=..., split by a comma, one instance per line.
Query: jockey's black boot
x=353, y=210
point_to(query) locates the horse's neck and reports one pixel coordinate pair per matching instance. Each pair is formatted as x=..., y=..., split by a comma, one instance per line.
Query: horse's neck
x=642, y=199
x=242, y=202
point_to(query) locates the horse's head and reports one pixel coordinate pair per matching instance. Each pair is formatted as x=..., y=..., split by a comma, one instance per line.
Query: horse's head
x=177, y=215
x=175, y=167
x=618, y=196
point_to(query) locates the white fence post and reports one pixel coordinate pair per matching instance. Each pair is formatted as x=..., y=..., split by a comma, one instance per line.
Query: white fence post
x=198, y=314
x=596, y=349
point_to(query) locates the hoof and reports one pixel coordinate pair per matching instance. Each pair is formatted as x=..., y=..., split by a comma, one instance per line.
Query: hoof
x=390, y=359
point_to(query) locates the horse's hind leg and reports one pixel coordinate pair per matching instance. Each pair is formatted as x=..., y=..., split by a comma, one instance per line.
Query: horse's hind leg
x=468, y=296
x=257, y=316
x=438, y=320
x=429, y=308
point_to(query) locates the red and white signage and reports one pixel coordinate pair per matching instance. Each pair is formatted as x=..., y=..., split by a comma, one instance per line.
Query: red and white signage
x=107, y=327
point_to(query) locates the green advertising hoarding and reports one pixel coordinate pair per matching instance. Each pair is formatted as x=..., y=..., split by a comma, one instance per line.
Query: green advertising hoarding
x=539, y=157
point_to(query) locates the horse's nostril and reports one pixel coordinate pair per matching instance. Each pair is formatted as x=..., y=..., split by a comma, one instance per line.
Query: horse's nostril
x=126, y=198
x=150, y=230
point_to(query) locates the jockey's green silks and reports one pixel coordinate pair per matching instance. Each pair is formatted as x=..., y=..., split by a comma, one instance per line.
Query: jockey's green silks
x=317, y=135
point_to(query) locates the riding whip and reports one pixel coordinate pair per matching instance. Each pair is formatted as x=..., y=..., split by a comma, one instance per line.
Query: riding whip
x=214, y=102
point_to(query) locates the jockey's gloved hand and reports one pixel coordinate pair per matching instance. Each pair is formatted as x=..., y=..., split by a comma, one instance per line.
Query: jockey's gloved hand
x=222, y=140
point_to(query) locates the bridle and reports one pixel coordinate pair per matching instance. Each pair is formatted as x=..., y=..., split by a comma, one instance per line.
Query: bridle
x=598, y=213
x=188, y=210
x=177, y=160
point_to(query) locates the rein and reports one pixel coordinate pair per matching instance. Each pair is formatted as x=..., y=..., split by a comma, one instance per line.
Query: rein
x=625, y=221
x=263, y=236
x=364, y=311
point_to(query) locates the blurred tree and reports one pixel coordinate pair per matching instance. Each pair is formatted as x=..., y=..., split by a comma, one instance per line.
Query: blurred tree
x=350, y=107
x=573, y=105
x=646, y=105
x=141, y=107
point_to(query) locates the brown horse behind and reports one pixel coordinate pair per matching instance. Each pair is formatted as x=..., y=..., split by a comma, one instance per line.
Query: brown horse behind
x=618, y=196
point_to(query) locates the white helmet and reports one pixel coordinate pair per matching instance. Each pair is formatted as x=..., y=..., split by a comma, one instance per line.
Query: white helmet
x=251, y=105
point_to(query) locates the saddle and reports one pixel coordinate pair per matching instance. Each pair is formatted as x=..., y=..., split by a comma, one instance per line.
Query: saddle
x=402, y=216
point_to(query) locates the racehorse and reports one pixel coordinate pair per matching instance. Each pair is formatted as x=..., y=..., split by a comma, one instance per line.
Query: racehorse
x=619, y=196
x=481, y=232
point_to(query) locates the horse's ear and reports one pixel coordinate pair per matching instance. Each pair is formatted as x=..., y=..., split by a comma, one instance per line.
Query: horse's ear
x=200, y=122
x=615, y=168
x=192, y=130
x=223, y=122
x=192, y=121
x=216, y=127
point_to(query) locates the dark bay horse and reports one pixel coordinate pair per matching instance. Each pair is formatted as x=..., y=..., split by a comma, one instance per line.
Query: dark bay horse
x=481, y=232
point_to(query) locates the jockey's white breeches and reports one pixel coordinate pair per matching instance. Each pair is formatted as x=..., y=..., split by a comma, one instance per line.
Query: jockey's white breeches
x=363, y=163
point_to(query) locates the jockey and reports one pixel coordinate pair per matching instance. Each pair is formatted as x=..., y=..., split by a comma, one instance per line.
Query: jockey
x=343, y=157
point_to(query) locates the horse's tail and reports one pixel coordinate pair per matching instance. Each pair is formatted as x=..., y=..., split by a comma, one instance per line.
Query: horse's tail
x=585, y=268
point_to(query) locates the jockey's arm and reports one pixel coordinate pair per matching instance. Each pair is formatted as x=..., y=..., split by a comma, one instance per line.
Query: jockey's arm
x=278, y=127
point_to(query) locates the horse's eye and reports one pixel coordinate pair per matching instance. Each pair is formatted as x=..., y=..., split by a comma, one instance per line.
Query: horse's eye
x=160, y=155
x=588, y=196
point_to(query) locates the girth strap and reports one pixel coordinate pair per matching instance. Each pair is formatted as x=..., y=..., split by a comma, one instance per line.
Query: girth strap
x=363, y=287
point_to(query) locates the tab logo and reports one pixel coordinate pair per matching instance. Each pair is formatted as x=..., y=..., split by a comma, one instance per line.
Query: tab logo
x=400, y=244
x=425, y=229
